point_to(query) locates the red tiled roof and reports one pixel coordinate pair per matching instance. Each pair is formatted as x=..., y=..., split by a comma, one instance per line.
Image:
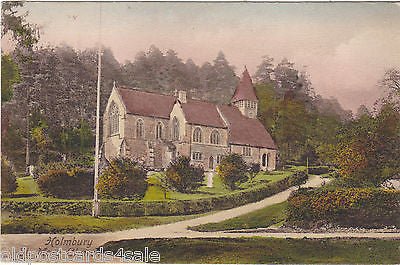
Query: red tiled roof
x=202, y=113
x=246, y=131
x=146, y=103
x=245, y=89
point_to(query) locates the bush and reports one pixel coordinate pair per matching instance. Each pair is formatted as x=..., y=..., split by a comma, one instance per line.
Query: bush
x=185, y=177
x=369, y=208
x=319, y=170
x=8, y=178
x=299, y=177
x=47, y=207
x=123, y=179
x=83, y=161
x=232, y=170
x=74, y=183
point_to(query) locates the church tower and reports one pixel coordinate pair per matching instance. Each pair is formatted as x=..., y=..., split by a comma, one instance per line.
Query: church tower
x=245, y=98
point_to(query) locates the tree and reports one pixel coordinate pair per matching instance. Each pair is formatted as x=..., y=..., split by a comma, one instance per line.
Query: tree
x=253, y=169
x=162, y=181
x=286, y=77
x=26, y=35
x=122, y=179
x=391, y=80
x=8, y=178
x=362, y=110
x=9, y=76
x=183, y=176
x=369, y=149
x=264, y=71
x=232, y=170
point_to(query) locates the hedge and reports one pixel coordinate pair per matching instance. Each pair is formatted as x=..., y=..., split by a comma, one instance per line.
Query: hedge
x=156, y=208
x=367, y=208
x=48, y=207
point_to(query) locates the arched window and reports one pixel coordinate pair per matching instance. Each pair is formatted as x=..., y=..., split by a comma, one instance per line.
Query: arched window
x=214, y=138
x=114, y=119
x=197, y=135
x=175, y=129
x=139, y=129
x=159, y=131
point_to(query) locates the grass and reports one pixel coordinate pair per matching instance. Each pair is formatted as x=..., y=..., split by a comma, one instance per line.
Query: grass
x=27, y=185
x=82, y=224
x=266, y=250
x=265, y=217
x=154, y=192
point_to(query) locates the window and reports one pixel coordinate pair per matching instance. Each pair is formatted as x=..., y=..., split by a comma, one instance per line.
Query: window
x=219, y=159
x=139, y=129
x=246, y=151
x=159, y=131
x=175, y=129
x=241, y=103
x=197, y=156
x=214, y=138
x=197, y=135
x=114, y=119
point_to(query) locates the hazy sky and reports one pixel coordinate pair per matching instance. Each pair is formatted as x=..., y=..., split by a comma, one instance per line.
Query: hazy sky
x=345, y=47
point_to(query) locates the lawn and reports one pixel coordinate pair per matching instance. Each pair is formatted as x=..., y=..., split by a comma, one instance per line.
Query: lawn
x=82, y=224
x=266, y=250
x=154, y=193
x=274, y=214
x=27, y=186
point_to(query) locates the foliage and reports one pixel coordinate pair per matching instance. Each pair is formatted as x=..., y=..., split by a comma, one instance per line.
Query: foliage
x=84, y=162
x=183, y=176
x=8, y=178
x=67, y=183
x=13, y=145
x=371, y=208
x=9, y=76
x=26, y=35
x=299, y=177
x=68, y=207
x=232, y=170
x=123, y=179
x=369, y=149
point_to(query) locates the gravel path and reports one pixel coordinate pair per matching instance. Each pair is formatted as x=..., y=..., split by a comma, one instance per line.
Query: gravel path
x=173, y=230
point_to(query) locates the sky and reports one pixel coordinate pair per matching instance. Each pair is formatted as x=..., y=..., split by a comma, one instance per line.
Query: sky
x=345, y=47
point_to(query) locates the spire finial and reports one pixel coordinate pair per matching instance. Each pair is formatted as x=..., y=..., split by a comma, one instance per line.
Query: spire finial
x=114, y=86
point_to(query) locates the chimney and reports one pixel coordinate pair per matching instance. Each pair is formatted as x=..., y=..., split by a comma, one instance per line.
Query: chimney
x=182, y=96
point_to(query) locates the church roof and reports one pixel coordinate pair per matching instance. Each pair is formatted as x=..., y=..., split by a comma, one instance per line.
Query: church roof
x=246, y=131
x=146, y=103
x=245, y=89
x=243, y=130
x=202, y=113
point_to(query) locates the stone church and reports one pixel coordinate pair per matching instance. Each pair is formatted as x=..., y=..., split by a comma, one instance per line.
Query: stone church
x=157, y=128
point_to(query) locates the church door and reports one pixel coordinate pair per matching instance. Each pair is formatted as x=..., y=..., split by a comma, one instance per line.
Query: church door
x=264, y=158
x=211, y=163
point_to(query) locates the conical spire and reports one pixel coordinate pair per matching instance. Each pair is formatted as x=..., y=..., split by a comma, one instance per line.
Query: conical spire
x=245, y=89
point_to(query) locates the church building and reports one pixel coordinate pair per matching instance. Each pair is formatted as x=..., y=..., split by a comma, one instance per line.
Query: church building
x=157, y=128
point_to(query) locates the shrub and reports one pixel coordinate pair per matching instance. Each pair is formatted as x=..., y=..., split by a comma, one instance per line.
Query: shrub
x=369, y=208
x=8, y=178
x=299, y=177
x=185, y=177
x=232, y=170
x=83, y=161
x=319, y=170
x=123, y=179
x=67, y=183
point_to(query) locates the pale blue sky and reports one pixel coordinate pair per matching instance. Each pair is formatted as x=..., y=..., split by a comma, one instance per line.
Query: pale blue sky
x=345, y=46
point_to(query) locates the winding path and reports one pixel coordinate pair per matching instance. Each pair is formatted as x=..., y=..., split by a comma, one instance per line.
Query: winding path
x=173, y=230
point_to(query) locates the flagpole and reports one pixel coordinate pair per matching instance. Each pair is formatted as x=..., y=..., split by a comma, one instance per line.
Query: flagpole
x=95, y=210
